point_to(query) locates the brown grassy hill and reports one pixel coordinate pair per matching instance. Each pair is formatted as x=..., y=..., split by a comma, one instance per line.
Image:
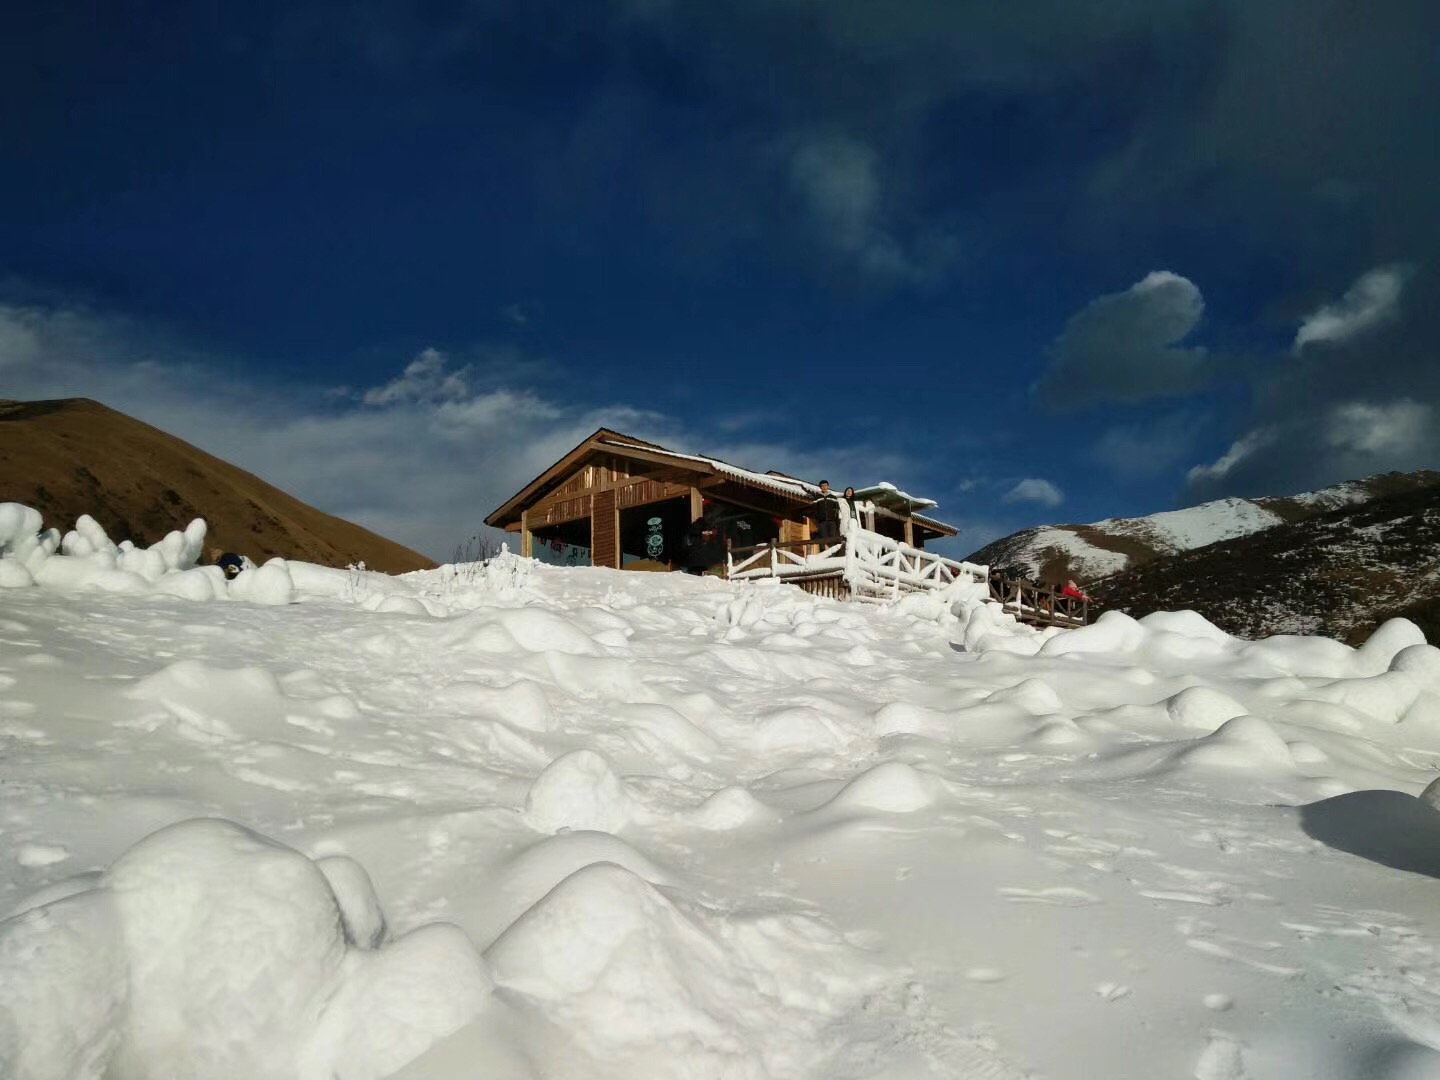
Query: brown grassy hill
x=75, y=456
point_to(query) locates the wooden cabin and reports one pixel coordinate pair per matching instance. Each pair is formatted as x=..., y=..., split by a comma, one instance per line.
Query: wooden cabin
x=634, y=504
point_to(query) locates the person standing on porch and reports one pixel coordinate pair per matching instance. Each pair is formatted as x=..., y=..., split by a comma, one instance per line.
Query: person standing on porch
x=852, y=512
x=825, y=511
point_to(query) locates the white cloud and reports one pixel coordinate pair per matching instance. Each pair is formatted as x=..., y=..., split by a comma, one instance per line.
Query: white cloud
x=1372, y=301
x=1032, y=489
x=1360, y=427
x=426, y=378
x=420, y=459
x=1240, y=451
x=1125, y=346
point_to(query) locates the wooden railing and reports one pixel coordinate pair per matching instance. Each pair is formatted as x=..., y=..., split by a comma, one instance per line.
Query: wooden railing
x=868, y=566
x=1036, y=604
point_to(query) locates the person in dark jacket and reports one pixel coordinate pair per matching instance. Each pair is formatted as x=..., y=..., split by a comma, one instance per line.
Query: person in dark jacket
x=825, y=512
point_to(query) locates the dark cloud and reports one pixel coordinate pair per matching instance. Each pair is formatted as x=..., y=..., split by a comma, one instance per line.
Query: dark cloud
x=1127, y=347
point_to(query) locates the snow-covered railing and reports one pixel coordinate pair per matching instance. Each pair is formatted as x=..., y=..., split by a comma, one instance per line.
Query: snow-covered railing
x=873, y=567
x=777, y=559
x=875, y=562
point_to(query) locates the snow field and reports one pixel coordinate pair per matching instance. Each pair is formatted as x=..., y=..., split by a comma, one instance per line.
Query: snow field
x=523, y=821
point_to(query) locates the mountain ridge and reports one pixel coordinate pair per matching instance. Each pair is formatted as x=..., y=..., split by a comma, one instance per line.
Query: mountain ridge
x=72, y=456
x=1339, y=574
x=1094, y=551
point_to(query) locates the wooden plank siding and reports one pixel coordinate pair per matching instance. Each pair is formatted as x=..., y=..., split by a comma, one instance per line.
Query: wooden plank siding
x=643, y=492
x=792, y=531
x=558, y=512
x=605, y=530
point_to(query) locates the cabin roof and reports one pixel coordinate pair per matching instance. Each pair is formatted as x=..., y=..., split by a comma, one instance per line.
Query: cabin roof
x=787, y=487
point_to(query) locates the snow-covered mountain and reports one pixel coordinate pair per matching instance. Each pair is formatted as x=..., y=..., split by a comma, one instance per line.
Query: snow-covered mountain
x=1090, y=552
x=1340, y=573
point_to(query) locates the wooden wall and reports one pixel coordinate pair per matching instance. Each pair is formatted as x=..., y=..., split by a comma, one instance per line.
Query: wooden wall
x=574, y=499
x=605, y=530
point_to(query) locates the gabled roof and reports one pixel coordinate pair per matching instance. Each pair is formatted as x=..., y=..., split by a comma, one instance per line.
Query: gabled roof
x=605, y=440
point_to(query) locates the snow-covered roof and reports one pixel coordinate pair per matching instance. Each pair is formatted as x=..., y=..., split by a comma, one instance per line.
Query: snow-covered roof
x=783, y=485
x=777, y=483
x=889, y=495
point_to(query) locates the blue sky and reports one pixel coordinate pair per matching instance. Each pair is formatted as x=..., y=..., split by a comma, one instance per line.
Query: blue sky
x=1041, y=262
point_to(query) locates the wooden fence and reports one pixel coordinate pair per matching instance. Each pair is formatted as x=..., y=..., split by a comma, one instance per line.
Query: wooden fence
x=1038, y=605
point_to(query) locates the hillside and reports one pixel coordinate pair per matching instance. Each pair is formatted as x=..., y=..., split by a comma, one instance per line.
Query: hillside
x=75, y=456
x=1339, y=573
x=1090, y=552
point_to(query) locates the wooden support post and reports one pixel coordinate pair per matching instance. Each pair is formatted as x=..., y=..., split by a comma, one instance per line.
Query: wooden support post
x=697, y=504
x=527, y=538
x=909, y=532
x=605, y=530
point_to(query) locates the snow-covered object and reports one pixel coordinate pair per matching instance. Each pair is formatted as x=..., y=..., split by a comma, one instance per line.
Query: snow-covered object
x=268, y=584
x=666, y=982
x=578, y=791
x=19, y=526
x=23, y=545
x=87, y=559
x=209, y=952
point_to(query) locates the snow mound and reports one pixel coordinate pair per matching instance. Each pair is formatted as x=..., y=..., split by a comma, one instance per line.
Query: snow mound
x=1390, y=638
x=1244, y=742
x=796, y=727
x=210, y=952
x=892, y=787
x=578, y=791
x=677, y=990
x=268, y=584
x=1202, y=708
x=522, y=703
x=1033, y=696
x=730, y=808
x=1421, y=663
x=212, y=704
x=527, y=629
